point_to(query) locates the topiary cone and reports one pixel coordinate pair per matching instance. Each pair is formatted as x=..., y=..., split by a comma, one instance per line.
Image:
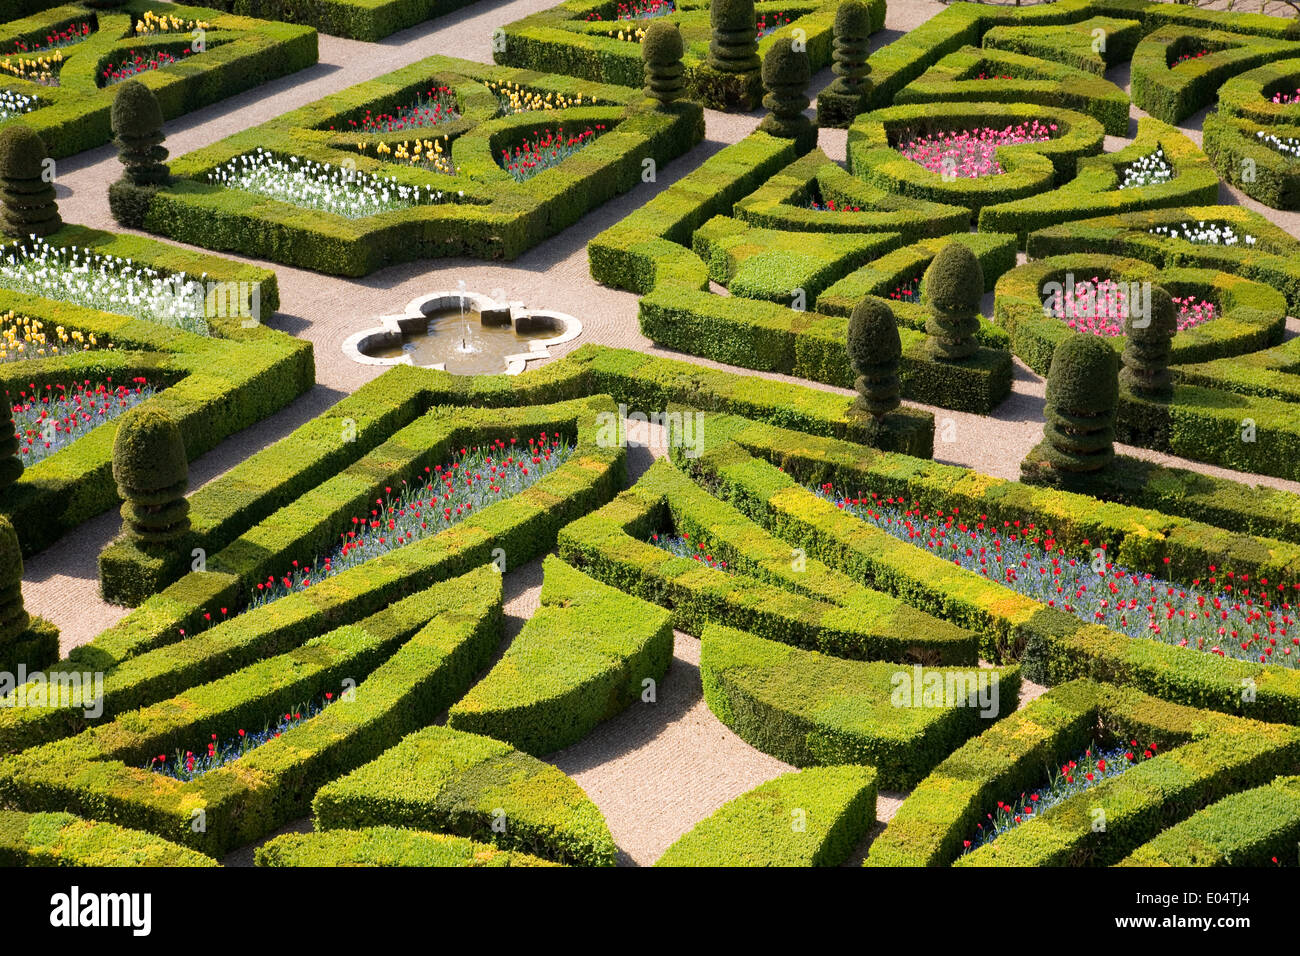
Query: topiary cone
x=137, y=129
x=1148, y=347
x=26, y=194
x=661, y=53
x=954, y=285
x=13, y=617
x=11, y=466
x=786, y=74
x=733, y=47
x=852, y=37
x=874, y=351
x=152, y=474
x=1082, y=398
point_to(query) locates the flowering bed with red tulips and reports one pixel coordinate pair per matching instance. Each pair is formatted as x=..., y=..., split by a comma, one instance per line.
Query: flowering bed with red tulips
x=437, y=106
x=446, y=495
x=49, y=419
x=1073, y=777
x=1099, y=306
x=969, y=153
x=682, y=546
x=138, y=63
x=545, y=151
x=70, y=35
x=1235, y=617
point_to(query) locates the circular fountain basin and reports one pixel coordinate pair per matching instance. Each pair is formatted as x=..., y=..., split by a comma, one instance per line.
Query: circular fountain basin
x=464, y=333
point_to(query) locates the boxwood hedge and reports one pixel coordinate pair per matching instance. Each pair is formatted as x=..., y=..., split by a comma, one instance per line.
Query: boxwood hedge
x=61, y=839
x=385, y=846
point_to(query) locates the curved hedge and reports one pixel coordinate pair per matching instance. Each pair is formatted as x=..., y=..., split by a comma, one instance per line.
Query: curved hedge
x=370, y=20
x=1261, y=172
x=385, y=846
x=955, y=79
x=811, y=818
x=1072, y=44
x=74, y=115
x=61, y=839
x=809, y=606
x=1251, y=315
x=809, y=709
x=487, y=214
x=442, y=780
x=585, y=655
x=1202, y=757
x=1248, y=96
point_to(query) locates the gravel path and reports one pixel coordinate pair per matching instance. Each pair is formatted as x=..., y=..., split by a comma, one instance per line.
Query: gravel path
x=655, y=770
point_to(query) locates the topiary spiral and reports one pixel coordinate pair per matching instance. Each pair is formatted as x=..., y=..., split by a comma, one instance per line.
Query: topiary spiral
x=1150, y=342
x=13, y=617
x=661, y=51
x=734, y=46
x=137, y=130
x=954, y=285
x=786, y=75
x=852, y=33
x=152, y=473
x=874, y=351
x=11, y=466
x=26, y=193
x=1082, y=397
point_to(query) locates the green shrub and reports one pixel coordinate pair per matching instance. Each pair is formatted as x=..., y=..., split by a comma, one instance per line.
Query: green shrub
x=26, y=189
x=1082, y=396
x=662, y=51
x=443, y=780
x=13, y=616
x=152, y=473
x=384, y=846
x=732, y=48
x=850, y=91
x=786, y=75
x=835, y=805
x=11, y=466
x=874, y=350
x=61, y=839
x=954, y=286
x=1148, y=347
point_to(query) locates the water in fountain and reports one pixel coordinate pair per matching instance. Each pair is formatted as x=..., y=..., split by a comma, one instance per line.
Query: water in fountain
x=466, y=347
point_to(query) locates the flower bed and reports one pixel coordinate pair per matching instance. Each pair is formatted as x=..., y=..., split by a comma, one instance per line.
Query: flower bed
x=437, y=106
x=22, y=337
x=445, y=496
x=48, y=420
x=1073, y=777
x=1288, y=146
x=137, y=63
x=682, y=546
x=41, y=69
x=769, y=23
x=1100, y=306
x=545, y=152
x=105, y=282
x=69, y=35
x=1149, y=170
x=1235, y=618
x=345, y=192
x=1203, y=233
x=14, y=104
x=970, y=154
x=514, y=98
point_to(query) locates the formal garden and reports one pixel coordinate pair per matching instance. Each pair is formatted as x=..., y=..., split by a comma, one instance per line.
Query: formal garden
x=666, y=432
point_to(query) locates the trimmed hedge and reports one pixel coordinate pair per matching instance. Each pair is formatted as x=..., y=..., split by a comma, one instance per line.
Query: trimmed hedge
x=384, y=846
x=584, y=656
x=562, y=39
x=1253, y=828
x=1261, y=172
x=241, y=54
x=370, y=20
x=61, y=839
x=212, y=386
x=955, y=78
x=407, y=664
x=487, y=213
x=1072, y=44
x=809, y=709
x=443, y=780
x=812, y=818
x=1251, y=315
x=1030, y=169
x=762, y=591
x=740, y=465
x=1094, y=190
x=1174, y=92
x=1203, y=756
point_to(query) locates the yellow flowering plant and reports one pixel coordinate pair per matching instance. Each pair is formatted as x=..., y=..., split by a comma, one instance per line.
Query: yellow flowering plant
x=22, y=337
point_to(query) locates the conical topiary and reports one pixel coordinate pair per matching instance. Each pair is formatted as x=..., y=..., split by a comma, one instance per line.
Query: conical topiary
x=1148, y=347
x=11, y=466
x=852, y=33
x=874, y=352
x=786, y=74
x=1082, y=397
x=137, y=130
x=661, y=53
x=14, y=619
x=954, y=285
x=30, y=208
x=734, y=46
x=152, y=473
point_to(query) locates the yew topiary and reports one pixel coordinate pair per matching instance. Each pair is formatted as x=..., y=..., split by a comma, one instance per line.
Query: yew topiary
x=852, y=36
x=11, y=466
x=152, y=474
x=137, y=130
x=734, y=46
x=26, y=189
x=661, y=52
x=1082, y=398
x=786, y=74
x=874, y=351
x=954, y=285
x=14, y=618
x=1148, y=347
